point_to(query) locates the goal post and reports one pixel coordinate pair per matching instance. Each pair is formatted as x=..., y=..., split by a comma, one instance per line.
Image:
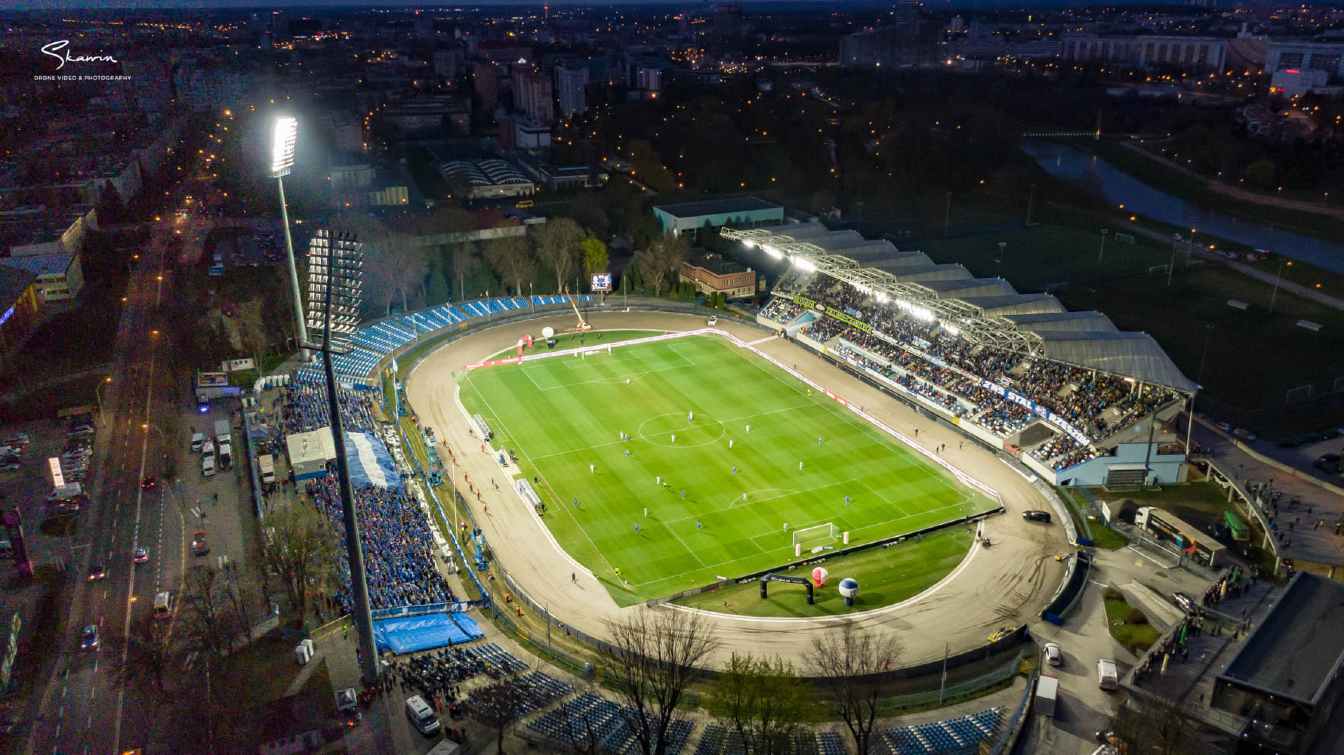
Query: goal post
x=816, y=536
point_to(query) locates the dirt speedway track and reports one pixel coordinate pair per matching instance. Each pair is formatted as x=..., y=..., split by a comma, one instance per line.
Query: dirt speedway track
x=1006, y=584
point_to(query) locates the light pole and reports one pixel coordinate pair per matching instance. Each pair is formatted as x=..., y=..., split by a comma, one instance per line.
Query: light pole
x=1171, y=266
x=98, y=396
x=1101, y=250
x=334, y=298
x=1277, y=278
x=283, y=139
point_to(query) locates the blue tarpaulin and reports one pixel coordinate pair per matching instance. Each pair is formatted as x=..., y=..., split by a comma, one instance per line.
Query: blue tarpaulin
x=411, y=634
x=370, y=464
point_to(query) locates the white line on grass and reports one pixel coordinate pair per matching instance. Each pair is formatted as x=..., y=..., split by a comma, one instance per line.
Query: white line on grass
x=561, y=504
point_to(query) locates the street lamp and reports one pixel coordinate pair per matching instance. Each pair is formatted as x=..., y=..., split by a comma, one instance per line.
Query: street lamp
x=98, y=396
x=283, y=139
x=1101, y=250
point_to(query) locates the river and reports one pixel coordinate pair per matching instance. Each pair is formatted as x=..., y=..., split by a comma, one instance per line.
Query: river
x=1085, y=169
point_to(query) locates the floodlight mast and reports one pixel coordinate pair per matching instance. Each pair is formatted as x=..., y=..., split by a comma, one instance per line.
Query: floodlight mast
x=361, y=615
x=283, y=139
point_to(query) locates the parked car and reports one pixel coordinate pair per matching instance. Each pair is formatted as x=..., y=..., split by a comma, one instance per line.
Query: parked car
x=1244, y=434
x=1329, y=463
x=1036, y=515
x=88, y=637
x=199, y=545
x=1053, y=655
x=1186, y=603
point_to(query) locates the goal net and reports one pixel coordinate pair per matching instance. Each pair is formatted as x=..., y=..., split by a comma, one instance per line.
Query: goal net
x=816, y=536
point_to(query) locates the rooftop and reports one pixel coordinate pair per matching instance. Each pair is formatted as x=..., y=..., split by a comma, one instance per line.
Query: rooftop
x=12, y=283
x=1298, y=648
x=716, y=206
x=40, y=264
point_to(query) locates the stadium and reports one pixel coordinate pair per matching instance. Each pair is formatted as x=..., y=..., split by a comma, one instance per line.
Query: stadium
x=560, y=414
x=883, y=427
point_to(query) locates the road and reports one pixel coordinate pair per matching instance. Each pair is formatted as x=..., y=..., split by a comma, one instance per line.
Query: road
x=82, y=708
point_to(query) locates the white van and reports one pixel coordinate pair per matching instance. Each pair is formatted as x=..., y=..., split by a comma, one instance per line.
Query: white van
x=207, y=448
x=421, y=715
x=266, y=469
x=207, y=466
x=1107, y=676
x=163, y=605
x=197, y=440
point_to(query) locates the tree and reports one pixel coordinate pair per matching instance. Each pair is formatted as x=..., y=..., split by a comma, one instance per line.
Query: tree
x=511, y=259
x=497, y=706
x=649, y=169
x=300, y=548
x=557, y=243
x=1150, y=724
x=652, y=656
x=209, y=624
x=846, y=663
x=149, y=659
x=595, y=257
x=661, y=259
x=406, y=265
x=762, y=700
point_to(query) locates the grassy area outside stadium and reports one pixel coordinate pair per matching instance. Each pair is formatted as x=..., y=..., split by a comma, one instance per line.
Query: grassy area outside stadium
x=689, y=494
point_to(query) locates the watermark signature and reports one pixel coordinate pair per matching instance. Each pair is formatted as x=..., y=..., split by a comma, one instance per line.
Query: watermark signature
x=59, y=50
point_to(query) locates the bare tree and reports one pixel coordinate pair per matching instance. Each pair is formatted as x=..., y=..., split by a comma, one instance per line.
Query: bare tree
x=511, y=258
x=209, y=625
x=1150, y=724
x=407, y=265
x=558, y=246
x=660, y=260
x=651, y=658
x=846, y=663
x=497, y=706
x=762, y=700
x=149, y=659
x=464, y=259
x=299, y=547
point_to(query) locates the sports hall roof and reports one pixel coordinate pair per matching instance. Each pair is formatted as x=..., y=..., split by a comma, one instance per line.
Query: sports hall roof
x=983, y=310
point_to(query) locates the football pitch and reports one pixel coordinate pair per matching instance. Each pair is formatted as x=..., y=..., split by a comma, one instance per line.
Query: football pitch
x=727, y=454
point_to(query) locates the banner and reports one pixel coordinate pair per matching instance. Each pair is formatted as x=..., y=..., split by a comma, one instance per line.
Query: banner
x=831, y=312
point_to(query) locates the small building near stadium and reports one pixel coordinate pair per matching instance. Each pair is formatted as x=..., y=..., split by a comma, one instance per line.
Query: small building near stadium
x=739, y=212
x=310, y=452
x=713, y=274
x=1275, y=688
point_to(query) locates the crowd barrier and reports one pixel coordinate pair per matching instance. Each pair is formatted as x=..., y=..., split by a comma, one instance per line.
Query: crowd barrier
x=1070, y=590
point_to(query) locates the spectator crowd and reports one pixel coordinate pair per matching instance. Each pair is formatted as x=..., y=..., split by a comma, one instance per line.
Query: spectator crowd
x=937, y=363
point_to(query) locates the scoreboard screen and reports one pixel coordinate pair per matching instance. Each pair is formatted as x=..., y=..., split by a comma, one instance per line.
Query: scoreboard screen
x=602, y=282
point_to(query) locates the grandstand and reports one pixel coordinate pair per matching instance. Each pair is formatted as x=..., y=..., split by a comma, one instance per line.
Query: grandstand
x=376, y=340
x=1061, y=390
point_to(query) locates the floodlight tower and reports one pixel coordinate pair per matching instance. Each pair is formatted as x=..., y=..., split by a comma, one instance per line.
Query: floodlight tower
x=335, y=282
x=283, y=139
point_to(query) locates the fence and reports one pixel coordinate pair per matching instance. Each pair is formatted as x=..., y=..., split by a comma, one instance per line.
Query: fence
x=249, y=455
x=1012, y=728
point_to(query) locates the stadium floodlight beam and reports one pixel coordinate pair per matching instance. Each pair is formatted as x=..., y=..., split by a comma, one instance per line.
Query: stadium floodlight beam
x=283, y=138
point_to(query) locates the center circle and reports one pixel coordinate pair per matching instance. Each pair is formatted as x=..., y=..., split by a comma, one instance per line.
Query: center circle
x=698, y=430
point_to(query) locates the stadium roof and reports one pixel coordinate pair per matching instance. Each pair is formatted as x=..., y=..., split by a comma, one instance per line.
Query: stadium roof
x=1065, y=322
x=1298, y=648
x=1133, y=354
x=987, y=311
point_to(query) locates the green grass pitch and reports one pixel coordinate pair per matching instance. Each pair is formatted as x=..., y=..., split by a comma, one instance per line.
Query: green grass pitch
x=564, y=414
